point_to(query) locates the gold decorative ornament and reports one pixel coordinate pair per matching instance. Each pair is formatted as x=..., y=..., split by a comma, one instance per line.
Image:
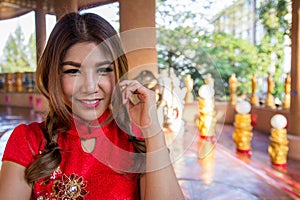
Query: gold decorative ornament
x=278, y=146
x=242, y=134
x=232, y=89
x=287, y=90
x=189, y=84
x=19, y=82
x=270, y=98
x=206, y=121
x=254, y=99
x=9, y=82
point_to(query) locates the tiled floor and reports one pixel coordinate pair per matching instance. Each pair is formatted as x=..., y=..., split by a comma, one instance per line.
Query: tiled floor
x=224, y=174
x=204, y=171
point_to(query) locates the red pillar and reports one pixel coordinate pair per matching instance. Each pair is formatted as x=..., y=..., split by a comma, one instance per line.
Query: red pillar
x=137, y=24
x=293, y=125
x=40, y=26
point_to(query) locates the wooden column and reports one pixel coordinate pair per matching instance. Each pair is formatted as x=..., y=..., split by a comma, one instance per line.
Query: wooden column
x=137, y=26
x=63, y=7
x=40, y=27
x=293, y=125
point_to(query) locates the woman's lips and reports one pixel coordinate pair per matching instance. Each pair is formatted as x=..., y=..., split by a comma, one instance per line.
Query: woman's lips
x=90, y=103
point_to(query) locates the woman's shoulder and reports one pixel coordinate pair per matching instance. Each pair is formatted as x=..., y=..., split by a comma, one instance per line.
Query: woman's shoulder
x=33, y=129
x=29, y=139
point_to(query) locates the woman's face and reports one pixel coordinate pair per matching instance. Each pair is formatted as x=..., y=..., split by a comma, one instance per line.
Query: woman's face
x=87, y=80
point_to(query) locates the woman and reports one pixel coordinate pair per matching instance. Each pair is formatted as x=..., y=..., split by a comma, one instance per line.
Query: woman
x=88, y=146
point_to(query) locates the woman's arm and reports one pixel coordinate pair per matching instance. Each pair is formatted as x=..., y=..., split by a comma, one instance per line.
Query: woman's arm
x=159, y=181
x=13, y=185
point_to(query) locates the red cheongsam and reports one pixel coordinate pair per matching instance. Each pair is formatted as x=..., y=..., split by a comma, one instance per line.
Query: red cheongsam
x=106, y=173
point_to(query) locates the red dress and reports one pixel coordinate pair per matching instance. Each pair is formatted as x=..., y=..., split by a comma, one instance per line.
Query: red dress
x=97, y=175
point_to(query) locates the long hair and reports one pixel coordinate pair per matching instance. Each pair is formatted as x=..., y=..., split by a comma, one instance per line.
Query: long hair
x=69, y=30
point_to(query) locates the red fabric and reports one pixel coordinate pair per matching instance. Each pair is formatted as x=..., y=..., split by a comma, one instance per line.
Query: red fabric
x=253, y=119
x=91, y=173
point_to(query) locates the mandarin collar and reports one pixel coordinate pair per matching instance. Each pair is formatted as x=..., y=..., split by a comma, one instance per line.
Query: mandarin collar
x=91, y=129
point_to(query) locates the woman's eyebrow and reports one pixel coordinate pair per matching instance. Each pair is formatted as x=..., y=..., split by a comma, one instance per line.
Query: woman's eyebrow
x=75, y=64
x=107, y=62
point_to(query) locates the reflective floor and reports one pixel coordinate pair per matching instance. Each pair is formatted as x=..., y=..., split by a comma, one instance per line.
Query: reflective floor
x=220, y=173
x=206, y=171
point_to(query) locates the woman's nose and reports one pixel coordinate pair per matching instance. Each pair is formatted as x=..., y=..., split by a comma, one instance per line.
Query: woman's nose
x=89, y=82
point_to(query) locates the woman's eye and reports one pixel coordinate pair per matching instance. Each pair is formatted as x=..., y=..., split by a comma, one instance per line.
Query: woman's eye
x=104, y=70
x=71, y=71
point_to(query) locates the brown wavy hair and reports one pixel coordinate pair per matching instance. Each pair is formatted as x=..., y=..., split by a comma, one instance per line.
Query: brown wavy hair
x=71, y=29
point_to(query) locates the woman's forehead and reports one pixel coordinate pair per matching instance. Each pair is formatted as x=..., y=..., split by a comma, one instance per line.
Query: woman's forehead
x=87, y=52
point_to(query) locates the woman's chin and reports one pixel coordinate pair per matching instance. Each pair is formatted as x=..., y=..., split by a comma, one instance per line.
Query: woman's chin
x=88, y=116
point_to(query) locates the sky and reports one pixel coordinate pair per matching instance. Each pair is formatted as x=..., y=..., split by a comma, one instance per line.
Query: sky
x=109, y=12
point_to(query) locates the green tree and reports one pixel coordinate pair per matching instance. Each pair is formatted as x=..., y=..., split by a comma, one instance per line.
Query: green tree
x=179, y=38
x=187, y=46
x=274, y=17
x=193, y=50
x=233, y=55
x=31, y=52
x=18, y=56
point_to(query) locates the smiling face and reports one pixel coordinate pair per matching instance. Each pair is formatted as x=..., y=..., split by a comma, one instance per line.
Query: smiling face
x=87, y=80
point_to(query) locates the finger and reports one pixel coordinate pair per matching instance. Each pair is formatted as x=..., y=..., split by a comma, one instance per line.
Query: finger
x=128, y=89
x=124, y=83
x=135, y=92
x=130, y=86
x=131, y=94
x=122, y=88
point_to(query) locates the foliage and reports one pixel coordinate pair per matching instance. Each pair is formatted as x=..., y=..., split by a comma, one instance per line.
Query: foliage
x=188, y=47
x=233, y=55
x=274, y=17
x=179, y=38
x=218, y=54
x=19, y=56
x=175, y=51
x=32, y=52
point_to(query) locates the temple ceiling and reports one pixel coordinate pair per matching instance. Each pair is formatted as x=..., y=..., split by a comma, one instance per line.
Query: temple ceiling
x=14, y=8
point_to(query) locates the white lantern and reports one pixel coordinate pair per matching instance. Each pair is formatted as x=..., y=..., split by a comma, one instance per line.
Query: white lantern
x=243, y=107
x=278, y=121
x=206, y=92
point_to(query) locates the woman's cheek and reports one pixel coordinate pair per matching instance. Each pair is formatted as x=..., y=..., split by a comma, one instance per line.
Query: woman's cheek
x=68, y=87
